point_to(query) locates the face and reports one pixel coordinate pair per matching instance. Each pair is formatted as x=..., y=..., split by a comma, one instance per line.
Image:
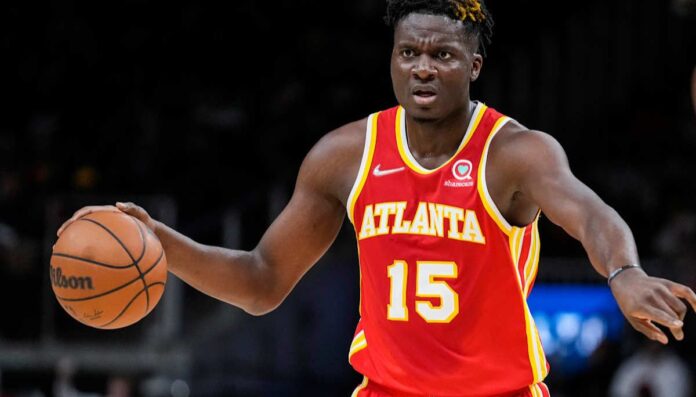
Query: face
x=433, y=61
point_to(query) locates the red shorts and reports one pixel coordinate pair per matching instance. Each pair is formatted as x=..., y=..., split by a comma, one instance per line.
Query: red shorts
x=372, y=389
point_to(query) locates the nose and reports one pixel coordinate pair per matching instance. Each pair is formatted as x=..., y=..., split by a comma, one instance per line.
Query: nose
x=423, y=69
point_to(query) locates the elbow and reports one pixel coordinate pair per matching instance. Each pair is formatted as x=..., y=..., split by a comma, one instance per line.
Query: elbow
x=267, y=292
x=265, y=299
x=262, y=306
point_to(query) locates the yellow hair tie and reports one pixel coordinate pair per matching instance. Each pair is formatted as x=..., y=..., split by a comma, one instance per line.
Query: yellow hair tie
x=468, y=9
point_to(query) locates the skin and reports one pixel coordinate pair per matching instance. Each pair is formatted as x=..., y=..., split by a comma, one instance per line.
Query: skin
x=433, y=63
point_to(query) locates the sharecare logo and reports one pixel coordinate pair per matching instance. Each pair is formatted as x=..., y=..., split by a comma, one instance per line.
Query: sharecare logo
x=59, y=280
x=462, y=170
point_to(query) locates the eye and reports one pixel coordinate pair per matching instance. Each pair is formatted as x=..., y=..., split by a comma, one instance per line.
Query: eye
x=407, y=53
x=444, y=55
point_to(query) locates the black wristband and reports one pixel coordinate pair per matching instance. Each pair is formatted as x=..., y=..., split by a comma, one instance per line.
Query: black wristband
x=616, y=272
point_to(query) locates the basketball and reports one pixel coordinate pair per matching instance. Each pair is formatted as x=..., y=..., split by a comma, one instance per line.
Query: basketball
x=108, y=270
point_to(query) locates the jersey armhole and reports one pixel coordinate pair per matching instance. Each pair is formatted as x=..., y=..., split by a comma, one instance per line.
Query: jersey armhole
x=365, y=163
x=485, y=196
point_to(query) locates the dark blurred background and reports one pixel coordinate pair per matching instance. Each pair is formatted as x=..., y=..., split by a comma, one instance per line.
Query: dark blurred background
x=202, y=113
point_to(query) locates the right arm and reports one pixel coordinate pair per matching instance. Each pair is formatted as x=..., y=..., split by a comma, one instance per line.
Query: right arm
x=259, y=280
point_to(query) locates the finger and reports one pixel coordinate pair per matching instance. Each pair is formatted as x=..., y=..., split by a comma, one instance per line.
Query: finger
x=72, y=219
x=684, y=292
x=129, y=208
x=670, y=304
x=678, y=333
x=137, y=212
x=83, y=212
x=674, y=303
x=661, y=314
x=650, y=330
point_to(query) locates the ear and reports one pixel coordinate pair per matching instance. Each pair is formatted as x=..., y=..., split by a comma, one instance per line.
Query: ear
x=476, y=65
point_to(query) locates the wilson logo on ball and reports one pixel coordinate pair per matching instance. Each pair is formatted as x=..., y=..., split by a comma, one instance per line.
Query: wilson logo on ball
x=59, y=280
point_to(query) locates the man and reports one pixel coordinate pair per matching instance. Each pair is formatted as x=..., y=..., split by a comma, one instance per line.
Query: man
x=445, y=195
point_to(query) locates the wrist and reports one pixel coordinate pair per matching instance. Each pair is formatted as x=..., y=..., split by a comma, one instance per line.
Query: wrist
x=627, y=268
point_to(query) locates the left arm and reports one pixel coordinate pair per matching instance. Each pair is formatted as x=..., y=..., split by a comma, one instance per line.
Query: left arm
x=543, y=177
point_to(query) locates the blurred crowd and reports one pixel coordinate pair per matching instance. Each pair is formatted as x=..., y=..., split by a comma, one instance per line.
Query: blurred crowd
x=215, y=106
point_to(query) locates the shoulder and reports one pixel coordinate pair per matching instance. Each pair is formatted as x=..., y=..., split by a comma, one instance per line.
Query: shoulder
x=332, y=164
x=340, y=147
x=517, y=145
x=341, y=141
x=514, y=137
x=521, y=159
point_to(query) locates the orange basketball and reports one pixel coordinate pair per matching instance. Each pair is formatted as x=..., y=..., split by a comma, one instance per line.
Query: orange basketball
x=108, y=270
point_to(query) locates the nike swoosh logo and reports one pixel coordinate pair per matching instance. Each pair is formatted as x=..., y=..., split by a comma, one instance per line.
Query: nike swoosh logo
x=378, y=172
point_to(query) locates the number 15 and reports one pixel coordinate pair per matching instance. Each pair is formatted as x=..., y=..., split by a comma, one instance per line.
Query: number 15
x=426, y=287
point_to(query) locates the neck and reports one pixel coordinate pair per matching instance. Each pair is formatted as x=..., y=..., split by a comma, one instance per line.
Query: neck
x=432, y=142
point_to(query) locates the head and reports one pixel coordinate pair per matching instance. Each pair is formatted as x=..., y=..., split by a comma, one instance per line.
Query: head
x=438, y=51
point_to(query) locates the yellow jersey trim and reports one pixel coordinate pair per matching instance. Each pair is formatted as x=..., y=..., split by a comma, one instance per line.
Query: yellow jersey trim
x=365, y=164
x=360, y=291
x=532, y=266
x=516, y=241
x=405, y=152
x=359, y=343
x=488, y=203
x=537, y=360
x=360, y=387
x=536, y=390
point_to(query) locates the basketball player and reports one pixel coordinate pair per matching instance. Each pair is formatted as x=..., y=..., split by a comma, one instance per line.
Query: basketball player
x=445, y=195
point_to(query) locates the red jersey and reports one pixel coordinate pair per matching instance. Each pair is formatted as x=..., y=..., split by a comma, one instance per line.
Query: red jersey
x=443, y=276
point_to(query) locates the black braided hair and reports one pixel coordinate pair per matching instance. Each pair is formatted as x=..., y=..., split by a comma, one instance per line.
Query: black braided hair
x=472, y=13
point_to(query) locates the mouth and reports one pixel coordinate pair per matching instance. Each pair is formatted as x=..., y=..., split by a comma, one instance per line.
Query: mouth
x=424, y=95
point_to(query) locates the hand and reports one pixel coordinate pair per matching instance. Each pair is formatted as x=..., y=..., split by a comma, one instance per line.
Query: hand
x=128, y=208
x=644, y=300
